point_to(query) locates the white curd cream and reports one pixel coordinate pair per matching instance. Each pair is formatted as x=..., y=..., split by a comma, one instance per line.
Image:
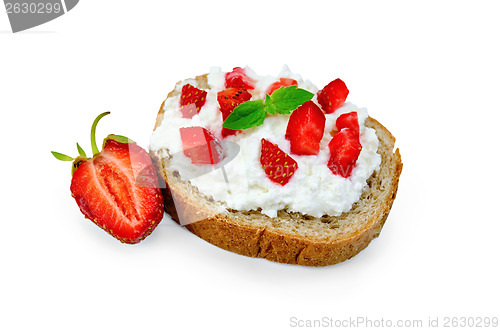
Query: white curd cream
x=313, y=189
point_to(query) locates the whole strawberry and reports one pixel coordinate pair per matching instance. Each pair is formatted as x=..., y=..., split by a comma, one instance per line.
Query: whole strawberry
x=117, y=188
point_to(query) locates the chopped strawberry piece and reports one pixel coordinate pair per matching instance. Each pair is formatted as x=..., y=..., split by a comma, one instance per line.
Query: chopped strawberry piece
x=283, y=82
x=228, y=100
x=305, y=129
x=344, y=152
x=348, y=120
x=192, y=95
x=333, y=95
x=232, y=97
x=238, y=79
x=201, y=146
x=188, y=111
x=278, y=166
x=228, y=132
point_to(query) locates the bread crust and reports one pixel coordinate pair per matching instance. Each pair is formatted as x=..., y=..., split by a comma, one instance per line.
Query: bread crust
x=226, y=230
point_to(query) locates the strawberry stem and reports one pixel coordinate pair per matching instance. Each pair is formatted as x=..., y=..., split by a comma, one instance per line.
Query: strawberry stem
x=95, y=150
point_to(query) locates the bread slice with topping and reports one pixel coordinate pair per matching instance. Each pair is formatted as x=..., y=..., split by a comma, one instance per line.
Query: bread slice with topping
x=290, y=237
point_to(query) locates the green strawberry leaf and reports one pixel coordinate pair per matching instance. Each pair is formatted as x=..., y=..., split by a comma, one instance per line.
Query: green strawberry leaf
x=81, y=151
x=287, y=99
x=246, y=115
x=62, y=157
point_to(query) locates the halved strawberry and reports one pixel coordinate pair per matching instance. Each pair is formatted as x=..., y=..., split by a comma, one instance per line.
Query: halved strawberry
x=348, y=120
x=278, y=166
x=305, y=129
x=344, y=152
x=238, y=79
x=283, y=82
x=117, y=188
x=201, y=146
x=228, y=100
x=333, y=95
x=191, y=95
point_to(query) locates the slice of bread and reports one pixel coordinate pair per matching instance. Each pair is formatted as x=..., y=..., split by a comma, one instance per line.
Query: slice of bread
x=291, y=238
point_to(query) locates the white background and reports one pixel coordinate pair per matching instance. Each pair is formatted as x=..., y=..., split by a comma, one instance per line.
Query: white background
x=428, y=70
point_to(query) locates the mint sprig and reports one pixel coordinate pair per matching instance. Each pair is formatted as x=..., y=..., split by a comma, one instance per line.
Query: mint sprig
x=246, y=115
x=253, y=113
x=287, y=99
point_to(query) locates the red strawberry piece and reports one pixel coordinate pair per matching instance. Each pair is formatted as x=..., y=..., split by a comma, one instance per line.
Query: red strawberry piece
x=278, y=166
x=228, y=132
x=228, y=100
x=283, y=82
x=305, y=129
x=201, y=146
x=238, y=79
x=333, y=95
x=344, y=152
x=348, y=120
x=188, y=111
x=118, y=188
x=231, y=98
x=192, y=95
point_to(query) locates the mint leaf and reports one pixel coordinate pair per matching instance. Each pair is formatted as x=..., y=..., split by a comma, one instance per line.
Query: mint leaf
x=246, y=115
x=253, y=113
x=287, y=99
x=269, y=106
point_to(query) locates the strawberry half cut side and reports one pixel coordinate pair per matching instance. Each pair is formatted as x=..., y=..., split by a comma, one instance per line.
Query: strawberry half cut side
x=344, y=152
x=333, y=95
x=239, y=79
x=201, y=146
x=305, y=129
x=191, y=95
x=278, y=166
x=107, y=191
